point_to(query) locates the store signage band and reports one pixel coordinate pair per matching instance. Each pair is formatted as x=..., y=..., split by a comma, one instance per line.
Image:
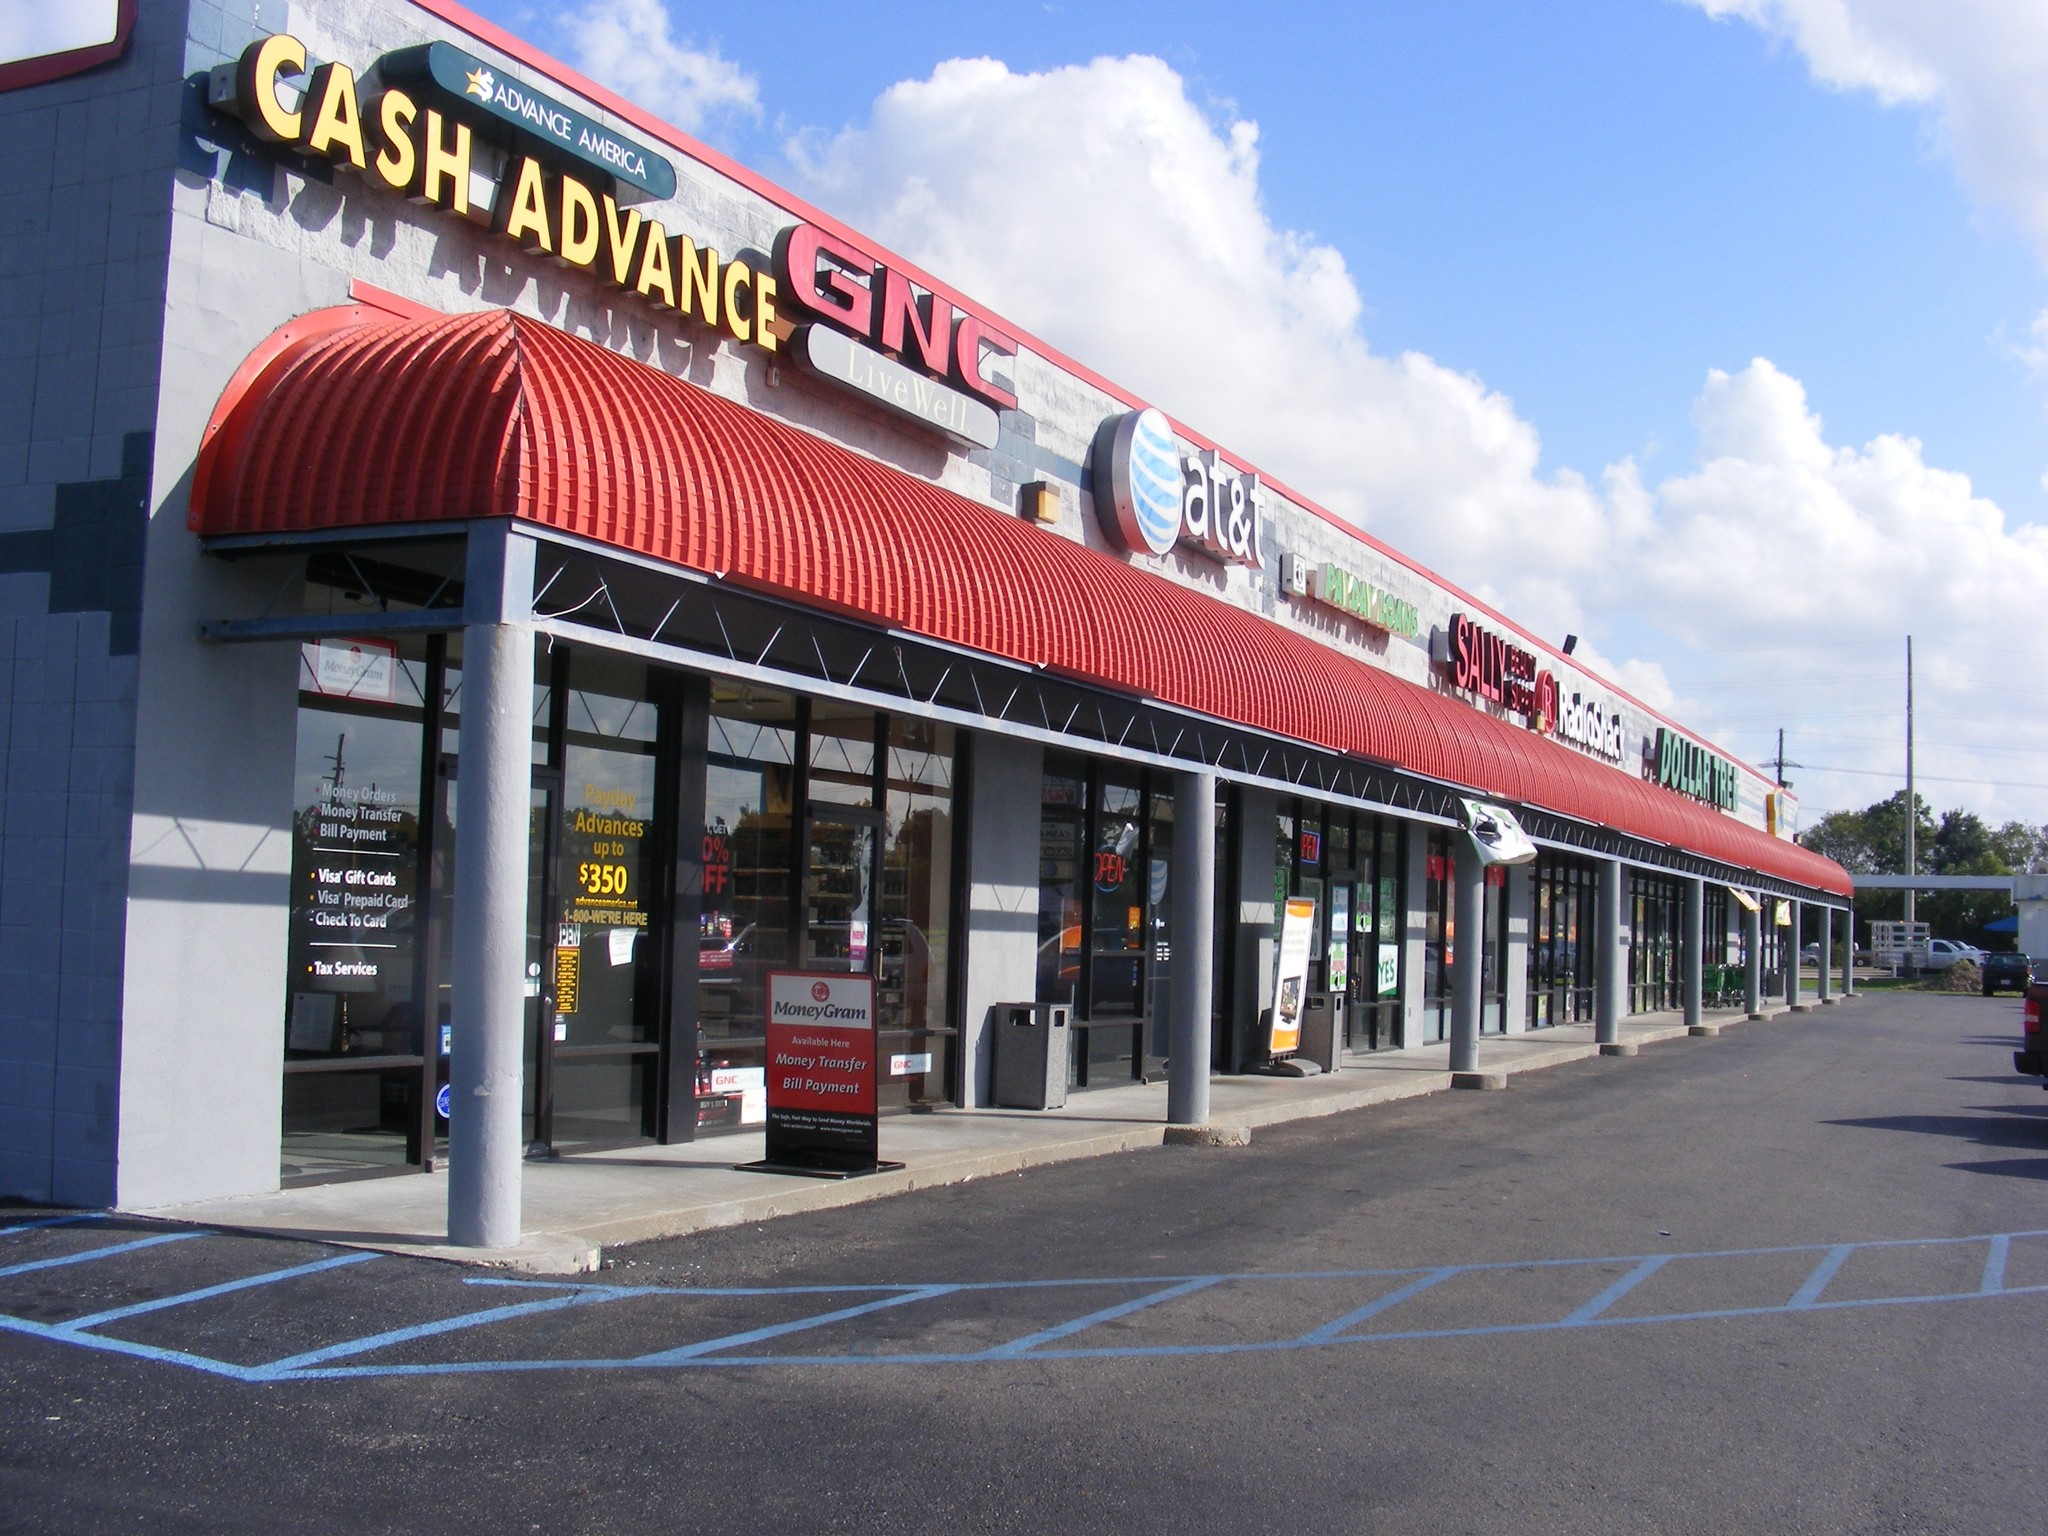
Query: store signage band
x=840, y=360
x=836, y=281
x=430, y=156
x=1333, y=586
x=1494, y=667
x=1690, y=769
x=1149, y=497
x=502, y=109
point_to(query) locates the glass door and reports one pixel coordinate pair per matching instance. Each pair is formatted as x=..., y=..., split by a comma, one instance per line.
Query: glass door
x=839, y=880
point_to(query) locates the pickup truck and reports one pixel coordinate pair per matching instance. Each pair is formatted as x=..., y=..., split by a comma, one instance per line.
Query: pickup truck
x=2032, y=1056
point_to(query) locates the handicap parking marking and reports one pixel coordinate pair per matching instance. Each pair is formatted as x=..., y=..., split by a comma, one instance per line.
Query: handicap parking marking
x=1376, y=1321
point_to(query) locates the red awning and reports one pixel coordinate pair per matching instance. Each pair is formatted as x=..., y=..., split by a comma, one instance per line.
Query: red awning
x=373, y=420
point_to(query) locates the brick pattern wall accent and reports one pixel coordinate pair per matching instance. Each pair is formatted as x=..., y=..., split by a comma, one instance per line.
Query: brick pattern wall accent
x=86, y=168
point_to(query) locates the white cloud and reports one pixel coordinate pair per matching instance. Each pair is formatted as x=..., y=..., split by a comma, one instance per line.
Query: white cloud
x=625, y=44
x=1980, y=66
x=1099, y=208
x=29, y=29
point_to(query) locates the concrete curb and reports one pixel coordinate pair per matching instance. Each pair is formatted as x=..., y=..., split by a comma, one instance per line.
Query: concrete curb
x=1619, y=1048
x=1488, y=1081
x=1208, y=1136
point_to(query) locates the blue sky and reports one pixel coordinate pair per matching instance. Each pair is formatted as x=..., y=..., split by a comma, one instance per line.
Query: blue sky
x=1584, y=209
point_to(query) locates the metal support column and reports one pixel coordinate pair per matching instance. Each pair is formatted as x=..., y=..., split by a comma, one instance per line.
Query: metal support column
x=488, y=1001
x=1193, y=935
x=1468, y=956
x=1694, y=948
x=1788, y=949
x=1753, y=961
x=1848, y=951
x=1612, y=976
x=1827, y=954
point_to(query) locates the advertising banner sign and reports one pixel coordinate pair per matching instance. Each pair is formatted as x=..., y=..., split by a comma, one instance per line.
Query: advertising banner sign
x=1290, y=974
x=1496, y=835
x=821, y=1088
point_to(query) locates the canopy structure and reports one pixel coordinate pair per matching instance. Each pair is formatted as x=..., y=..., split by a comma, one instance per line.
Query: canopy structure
x=356, y=418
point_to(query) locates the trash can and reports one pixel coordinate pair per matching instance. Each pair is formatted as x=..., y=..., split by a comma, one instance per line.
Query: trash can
x=1322, y=1033
x=1032, y=1044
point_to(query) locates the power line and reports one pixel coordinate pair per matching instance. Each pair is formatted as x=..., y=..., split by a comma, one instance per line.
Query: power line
x=1935, y=778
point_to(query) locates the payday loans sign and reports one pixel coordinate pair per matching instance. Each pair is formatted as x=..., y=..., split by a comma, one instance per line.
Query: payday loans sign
x=563, y=190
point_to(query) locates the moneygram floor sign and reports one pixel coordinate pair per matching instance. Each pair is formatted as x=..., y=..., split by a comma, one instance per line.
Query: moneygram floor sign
x=822, y=1080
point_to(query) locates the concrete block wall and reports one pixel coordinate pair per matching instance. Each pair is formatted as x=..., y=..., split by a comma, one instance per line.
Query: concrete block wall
x=86, y=166
x=1002, y=897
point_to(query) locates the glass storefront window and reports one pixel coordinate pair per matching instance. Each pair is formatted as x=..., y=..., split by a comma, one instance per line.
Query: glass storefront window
x=1062, y=825
x=748, y=902
x=842, y=766
x=354, y=925
x=1119, y=875
x=916, y=912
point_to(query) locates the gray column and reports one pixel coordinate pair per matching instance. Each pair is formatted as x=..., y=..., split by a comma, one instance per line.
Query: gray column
x=1788, y=949
x=1827, y=953
x=1000, y=955
x=1468, y=953
x=1848, y=951
x=1194, y=939
x=1521, y=893
x=488, y=996
x=1693, y=956
x=1753, y=962
x=1611, y=977
x=1414, y=931
x=1257, y=938
x=488, y=985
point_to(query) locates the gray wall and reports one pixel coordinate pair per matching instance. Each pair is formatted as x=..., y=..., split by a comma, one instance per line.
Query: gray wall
x=85, y=186
x=1002, y=895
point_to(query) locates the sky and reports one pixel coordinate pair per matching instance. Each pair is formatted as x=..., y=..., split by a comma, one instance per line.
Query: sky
x=1712, y=331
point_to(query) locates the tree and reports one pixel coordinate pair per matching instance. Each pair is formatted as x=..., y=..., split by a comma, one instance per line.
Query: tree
x=1873, y=841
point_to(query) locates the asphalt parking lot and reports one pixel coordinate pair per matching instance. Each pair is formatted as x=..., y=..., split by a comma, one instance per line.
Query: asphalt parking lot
x=1788, y=1279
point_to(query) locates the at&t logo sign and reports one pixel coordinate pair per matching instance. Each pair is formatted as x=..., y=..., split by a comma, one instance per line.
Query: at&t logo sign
x=1151, y=497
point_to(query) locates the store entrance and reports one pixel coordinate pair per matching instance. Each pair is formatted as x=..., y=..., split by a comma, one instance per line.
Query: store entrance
x=839, y=883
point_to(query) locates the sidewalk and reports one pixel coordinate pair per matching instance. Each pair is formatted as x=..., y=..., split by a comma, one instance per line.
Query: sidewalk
x=581, y=1204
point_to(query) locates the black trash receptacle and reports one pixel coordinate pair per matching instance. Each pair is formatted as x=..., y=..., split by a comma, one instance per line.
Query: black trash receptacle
x=1032, y=1044
x=1322, y=1030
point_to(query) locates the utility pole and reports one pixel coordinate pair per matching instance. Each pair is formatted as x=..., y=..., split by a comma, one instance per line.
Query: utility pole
x=1781, y=757
x=1912, y=804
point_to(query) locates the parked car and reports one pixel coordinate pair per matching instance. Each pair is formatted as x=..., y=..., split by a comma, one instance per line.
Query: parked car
x=1943, y=953
x=2006, y=971
x=2032, y=1056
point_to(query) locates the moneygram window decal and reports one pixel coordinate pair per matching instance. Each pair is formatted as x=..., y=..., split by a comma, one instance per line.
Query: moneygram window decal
x=355, y=855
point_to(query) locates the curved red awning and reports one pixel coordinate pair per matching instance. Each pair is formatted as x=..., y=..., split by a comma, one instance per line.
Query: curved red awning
x=386, y=420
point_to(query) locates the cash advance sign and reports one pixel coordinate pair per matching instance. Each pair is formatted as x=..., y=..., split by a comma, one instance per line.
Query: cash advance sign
x=567, y=179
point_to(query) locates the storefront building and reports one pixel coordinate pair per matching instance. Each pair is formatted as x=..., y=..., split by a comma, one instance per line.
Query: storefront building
x=484, y=573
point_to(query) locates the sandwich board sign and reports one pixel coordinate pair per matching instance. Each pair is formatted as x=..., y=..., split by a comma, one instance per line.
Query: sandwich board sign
x=821, y=1076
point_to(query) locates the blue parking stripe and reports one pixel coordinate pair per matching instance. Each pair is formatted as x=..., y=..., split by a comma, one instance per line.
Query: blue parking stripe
x=227, y=1287
x=778, y=1330
x=1336, y=1327
x=1823, y=1272
x=580, y=1297
x=1994, y=1265
x=1614, y=1292
x=98, y=1253
x=1106, y=1315
x=1060, y=1342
